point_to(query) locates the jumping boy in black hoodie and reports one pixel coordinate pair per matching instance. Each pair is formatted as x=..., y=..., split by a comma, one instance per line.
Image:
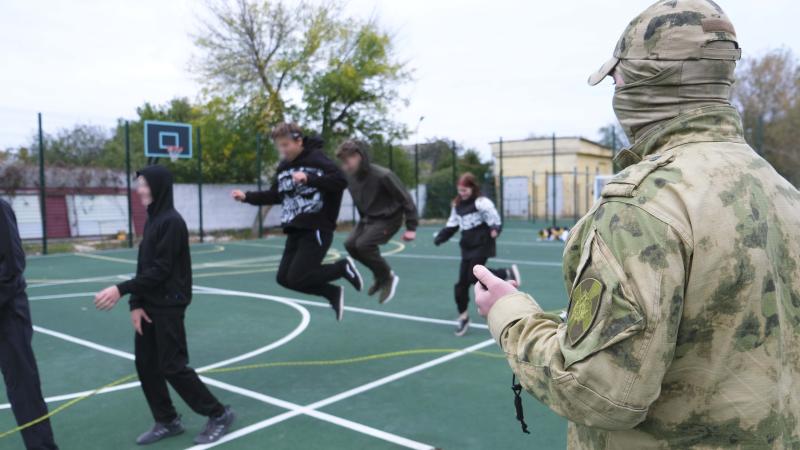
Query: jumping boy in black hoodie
x=16, y=331
x=160, y=293
x=309, y=188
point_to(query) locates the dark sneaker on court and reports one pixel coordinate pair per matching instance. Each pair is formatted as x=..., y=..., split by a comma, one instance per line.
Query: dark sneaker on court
x=463, y=326
x=352, y=274
x=161, y=431
x=376, y=286
x=513, y=274
x=337, y=303
x=388, y=289
x=216, y=427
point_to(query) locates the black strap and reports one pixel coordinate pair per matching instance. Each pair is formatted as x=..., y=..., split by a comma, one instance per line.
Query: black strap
x=517, y=388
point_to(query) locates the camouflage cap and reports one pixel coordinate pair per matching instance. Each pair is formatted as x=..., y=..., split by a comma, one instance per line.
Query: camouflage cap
x=675, y=30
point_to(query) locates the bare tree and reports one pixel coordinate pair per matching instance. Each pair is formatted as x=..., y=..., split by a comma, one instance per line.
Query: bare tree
x=254, y=51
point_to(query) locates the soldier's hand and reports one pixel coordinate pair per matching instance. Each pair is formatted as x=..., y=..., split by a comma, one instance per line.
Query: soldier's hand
x=489, y=289
x=137, y=315
x=107, y=298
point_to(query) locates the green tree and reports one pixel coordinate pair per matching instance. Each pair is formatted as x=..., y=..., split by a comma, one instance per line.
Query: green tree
x=254, y=51
x=357, y=87
x=767, y=94
x=613, y=137
x=81, y=145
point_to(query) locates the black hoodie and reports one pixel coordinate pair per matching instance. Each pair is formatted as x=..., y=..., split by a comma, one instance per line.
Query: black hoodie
x=380, y=195
x=12, y=257
x=310, y=206
x=163, y=282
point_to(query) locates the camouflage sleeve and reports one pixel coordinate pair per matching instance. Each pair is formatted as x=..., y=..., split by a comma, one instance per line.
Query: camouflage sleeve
x=603, y=368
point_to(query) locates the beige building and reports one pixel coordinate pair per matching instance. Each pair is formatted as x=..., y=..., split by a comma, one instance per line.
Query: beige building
x=527, y=169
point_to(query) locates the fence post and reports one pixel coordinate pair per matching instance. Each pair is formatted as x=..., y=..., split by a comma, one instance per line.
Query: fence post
x=533, y=193
x=575, y=192
x=546, y=195
x=128, y=182
x=588, y=205
x=200, y=183
x=416, y=175
x=502, y=187
x=42, y=187
x=258, y=183
x=554, y=180
x=455, y=166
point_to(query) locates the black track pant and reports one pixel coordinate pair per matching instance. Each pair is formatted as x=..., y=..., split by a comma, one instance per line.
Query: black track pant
x=466, y=279
x=363, y=244
x=301, y=267
x=162, y=357
x=21, y=374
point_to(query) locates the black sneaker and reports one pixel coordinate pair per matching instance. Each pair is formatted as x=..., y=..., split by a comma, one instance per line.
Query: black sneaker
x=352, y=274
x=513, y=274
x=337, y=303
x=376, y=286
x=388, y=289
x=161, y=431
x=463, y=326
x=216, y=427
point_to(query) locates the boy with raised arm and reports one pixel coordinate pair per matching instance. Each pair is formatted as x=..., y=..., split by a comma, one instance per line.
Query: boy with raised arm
x=309, y=188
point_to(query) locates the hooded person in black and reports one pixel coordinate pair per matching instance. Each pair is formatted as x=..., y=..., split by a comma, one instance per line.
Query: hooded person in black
x=160, y=293
x=17, y=361
x=383, y=202
x=309, y=187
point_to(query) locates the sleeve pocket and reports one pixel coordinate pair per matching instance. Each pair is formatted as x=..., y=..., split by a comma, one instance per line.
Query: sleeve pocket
x=611, y=317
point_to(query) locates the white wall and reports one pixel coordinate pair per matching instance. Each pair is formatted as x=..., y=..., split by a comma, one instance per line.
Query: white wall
x=29, y=215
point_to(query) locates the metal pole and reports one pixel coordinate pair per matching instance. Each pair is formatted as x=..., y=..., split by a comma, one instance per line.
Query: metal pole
x=533, y=198
x=128, y=182
x=546, y=195
x=200, y=183
x=42, y=187
x=502, y=188
x=586, y=188
x=575, y=192
x=455, y=166
x=416, y=173
x=554, y=180
x=259, y=157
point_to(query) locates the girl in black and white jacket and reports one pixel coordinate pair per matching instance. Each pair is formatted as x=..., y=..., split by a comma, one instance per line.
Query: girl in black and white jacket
x=480, y=225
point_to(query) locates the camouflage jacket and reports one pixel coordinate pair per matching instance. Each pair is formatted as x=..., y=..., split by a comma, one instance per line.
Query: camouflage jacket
x=683, y=329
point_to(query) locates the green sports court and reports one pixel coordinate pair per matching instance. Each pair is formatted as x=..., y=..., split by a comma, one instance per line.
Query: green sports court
x=391, y=376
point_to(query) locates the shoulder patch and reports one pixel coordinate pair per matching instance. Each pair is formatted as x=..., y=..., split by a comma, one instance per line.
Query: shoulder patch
x=583, y=307
x=624, y=184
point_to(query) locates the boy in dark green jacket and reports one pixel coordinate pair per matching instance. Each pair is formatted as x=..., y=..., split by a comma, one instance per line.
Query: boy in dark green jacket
x=382, y=201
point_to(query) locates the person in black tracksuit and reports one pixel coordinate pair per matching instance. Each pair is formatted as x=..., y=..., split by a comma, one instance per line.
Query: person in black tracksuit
x=309, y=187
x=17, y=361
x=160, y=293
x=480, y=225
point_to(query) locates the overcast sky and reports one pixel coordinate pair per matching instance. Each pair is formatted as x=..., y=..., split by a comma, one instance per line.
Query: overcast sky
x=482, y=68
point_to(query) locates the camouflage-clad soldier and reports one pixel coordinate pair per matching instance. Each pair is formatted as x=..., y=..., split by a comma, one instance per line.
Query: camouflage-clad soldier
x=683, y=328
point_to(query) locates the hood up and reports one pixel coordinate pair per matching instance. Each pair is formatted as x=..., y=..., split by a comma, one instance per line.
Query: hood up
x=160, y=180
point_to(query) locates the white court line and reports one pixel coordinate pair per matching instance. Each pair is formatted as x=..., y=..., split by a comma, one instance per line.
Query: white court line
x=458, y=258
x=349, y=393
x=292, y=407
x=354, y=309
x=346, y=308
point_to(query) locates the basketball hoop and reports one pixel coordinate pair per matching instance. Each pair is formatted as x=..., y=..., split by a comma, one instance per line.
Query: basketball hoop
x=174, y=152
